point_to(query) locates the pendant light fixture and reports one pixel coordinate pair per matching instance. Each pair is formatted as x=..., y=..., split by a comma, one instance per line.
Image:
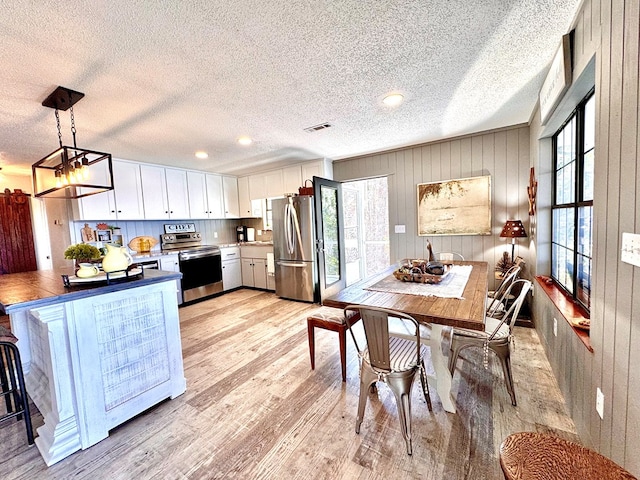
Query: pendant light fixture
x=70, y=172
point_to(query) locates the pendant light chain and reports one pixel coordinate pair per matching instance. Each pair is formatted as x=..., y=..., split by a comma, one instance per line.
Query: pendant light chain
x=73, y=127
x=58, y=125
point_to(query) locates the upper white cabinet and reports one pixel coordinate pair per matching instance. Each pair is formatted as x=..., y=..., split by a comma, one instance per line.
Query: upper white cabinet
x=257, y=186
x=212, y=196
x=177, y=193
x=154, y=192
x=274, y=184
x=231, y=200
x=314, y=169
x=164, y=192
x=124, y=202
x=197, y=192
x=291, y=179
x=244, y=199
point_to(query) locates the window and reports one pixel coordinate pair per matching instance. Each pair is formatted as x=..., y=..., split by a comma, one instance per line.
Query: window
x=572, y=203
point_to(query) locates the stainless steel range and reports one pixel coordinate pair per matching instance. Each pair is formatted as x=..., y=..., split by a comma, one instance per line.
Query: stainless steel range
x=200, y=265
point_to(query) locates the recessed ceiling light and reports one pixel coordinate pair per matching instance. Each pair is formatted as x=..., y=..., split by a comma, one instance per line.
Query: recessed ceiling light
x=202, y=155
x=245, y=141
x=393, y=100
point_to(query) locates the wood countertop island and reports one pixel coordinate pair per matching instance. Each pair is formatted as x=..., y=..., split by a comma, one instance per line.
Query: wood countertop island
x=94, y=355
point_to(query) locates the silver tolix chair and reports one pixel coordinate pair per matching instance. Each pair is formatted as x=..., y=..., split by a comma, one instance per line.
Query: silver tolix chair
x=392, y=360
x=497, y=336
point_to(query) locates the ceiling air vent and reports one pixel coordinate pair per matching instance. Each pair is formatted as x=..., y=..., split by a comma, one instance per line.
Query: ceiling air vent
x=315, y=128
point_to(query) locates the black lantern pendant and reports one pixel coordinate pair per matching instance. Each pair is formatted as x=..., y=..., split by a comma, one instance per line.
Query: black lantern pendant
x=70, y=172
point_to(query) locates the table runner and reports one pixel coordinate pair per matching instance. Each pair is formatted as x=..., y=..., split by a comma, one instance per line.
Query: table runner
x=452, y=286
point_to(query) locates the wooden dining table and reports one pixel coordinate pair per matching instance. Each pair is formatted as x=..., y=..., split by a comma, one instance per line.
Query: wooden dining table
x=437, y=312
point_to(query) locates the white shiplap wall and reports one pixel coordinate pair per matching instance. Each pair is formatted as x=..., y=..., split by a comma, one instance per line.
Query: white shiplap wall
x=502, y=154
x=609, y=32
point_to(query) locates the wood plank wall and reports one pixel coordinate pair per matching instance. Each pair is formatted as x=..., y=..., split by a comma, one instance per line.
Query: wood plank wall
x=608, y=29
x=503, y=154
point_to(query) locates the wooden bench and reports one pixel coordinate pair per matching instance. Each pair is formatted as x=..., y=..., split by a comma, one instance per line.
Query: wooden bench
x=330, y=319
x=531, y=455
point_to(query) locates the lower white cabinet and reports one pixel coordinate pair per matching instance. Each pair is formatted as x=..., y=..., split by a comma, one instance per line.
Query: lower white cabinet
x=231, y=268
x=169, y=263
x=254, y=267
x=254, y=272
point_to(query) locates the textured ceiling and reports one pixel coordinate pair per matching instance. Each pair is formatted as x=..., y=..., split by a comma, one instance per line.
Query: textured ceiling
x=163, y=78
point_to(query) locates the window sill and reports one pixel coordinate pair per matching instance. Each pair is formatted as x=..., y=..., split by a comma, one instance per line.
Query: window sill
x=571, y=312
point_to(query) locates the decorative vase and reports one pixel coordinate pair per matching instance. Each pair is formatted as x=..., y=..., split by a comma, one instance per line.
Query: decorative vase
x=117, y=258
x=87, y=270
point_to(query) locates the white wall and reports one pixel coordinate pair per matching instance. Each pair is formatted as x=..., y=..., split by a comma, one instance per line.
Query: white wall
x=502, y=154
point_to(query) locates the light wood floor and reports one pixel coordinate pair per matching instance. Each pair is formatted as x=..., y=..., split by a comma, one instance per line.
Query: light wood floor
x=254, y=409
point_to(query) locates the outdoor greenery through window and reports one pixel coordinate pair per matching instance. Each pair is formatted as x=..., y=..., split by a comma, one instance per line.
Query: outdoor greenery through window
x=573, y=202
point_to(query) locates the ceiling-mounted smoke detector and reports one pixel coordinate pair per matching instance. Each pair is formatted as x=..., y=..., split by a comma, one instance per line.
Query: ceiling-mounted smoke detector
x=315, y=128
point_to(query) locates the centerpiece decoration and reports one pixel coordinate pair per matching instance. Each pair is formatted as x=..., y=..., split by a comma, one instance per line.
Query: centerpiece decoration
x=422, y=271
x=81, y=253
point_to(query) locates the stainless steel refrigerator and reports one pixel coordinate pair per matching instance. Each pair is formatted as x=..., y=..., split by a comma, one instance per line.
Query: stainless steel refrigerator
x=294, y=248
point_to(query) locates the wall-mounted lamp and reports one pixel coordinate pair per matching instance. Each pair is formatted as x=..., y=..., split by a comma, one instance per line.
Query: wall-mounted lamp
x=513, y=229
x=70, y=172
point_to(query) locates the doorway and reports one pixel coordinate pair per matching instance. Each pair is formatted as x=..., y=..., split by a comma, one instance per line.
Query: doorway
x=366, y=227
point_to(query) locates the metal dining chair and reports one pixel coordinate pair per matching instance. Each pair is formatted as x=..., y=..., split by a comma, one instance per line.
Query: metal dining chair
x=392, y=360
x=450, y=256
x=496, y=336
x=497, y=300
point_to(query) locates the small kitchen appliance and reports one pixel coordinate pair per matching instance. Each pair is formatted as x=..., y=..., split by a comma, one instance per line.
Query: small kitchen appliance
x=241, y=233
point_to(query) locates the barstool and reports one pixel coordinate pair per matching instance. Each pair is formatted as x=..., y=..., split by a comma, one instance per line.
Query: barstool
x=330, y=319
x=532, y=455
x=12, y=382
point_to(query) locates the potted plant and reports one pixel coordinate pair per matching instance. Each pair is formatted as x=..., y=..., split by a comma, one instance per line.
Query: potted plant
x=81, y=253
x=503, y=265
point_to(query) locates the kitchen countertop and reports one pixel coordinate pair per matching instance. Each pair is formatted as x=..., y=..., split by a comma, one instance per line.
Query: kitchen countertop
x=45, y=287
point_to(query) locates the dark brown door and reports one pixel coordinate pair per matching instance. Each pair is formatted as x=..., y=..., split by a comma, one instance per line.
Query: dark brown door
x=17, y=250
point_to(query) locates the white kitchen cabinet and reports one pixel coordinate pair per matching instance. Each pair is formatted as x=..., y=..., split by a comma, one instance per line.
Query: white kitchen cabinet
x=254, y=267
x=177, y=188
x=164, y=192
x=254, y=272
x=124, y=202
x=230, y=194
x=169, y=263
x=128, y=190
x=208, y=198
x=311, y=169
x=274, y=184
x=231, y=268
x=257, y=186
x=244, y=199
x=291, y=179
x=154, y=192
x=197, y=194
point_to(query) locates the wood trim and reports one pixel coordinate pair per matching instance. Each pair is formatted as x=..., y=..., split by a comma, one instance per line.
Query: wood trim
x=567, y=308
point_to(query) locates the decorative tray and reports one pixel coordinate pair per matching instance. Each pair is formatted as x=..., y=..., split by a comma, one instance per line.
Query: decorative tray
x=134, y=272
x=142, y=244
x=417, y=271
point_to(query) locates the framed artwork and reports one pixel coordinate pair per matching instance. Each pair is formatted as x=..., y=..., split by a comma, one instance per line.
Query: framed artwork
x=103, y=235
x=455, y=207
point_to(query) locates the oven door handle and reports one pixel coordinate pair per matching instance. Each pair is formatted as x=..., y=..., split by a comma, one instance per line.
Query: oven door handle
x=193, y=256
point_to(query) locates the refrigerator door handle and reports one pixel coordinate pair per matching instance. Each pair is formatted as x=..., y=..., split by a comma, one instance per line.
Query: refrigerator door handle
x=292, y=264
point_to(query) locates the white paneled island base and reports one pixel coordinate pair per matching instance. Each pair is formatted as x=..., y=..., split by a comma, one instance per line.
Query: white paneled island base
x=97, y=361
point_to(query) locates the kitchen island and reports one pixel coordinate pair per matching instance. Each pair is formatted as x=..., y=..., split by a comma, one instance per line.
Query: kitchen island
x=94, y=355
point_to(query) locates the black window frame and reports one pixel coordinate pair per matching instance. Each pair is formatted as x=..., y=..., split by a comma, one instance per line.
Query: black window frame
x=576, y=204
